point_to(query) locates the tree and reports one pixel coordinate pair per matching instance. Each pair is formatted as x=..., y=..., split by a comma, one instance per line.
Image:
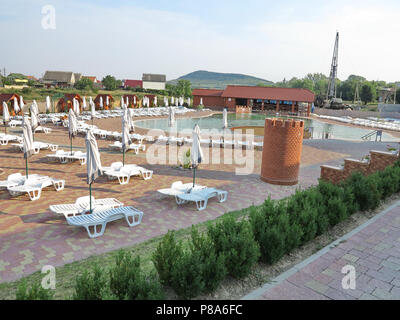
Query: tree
x=84, y=84
x=366, y=93
x=110, y=83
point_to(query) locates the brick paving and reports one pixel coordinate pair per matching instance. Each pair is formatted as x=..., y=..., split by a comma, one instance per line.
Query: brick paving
x=31, y=236
x=373, y=250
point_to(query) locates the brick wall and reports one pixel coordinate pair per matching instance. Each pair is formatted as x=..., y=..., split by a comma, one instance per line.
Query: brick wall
x=209, y=101
x=379, y=160
x=283, y=142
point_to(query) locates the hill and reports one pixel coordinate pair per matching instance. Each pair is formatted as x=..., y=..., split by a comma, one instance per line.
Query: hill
x=206, y=79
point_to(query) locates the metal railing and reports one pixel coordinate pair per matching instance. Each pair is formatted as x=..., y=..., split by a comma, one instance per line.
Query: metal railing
x=376, y=133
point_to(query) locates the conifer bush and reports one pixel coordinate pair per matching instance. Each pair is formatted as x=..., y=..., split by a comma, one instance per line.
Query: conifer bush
x=235, y=240
x=166, y=255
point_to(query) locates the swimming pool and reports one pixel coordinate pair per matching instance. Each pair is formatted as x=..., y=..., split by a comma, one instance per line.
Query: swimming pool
x=320, y=130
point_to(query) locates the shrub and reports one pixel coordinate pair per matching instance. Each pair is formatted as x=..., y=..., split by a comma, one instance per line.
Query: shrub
x=213, y=269
x=36, y=292
x=388, y=181
x=336, y=203
x=165, y=256
x=144, y=287
x=127, y=280
x=276, y=230
x=235, y=240
x=365, y=190
x=91, y=285
x=125, y=269
x=304, y=207
x=187, y=276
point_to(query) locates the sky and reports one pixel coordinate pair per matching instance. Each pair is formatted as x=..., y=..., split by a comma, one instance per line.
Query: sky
x=272, y=40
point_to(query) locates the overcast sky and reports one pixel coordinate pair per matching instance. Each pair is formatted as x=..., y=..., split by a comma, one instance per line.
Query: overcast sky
x=268, y=39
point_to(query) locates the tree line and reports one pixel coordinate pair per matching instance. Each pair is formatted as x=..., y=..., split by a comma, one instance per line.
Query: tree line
x=318, y=83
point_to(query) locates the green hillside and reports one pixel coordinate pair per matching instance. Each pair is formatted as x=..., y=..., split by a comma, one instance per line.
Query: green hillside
x=206, y=79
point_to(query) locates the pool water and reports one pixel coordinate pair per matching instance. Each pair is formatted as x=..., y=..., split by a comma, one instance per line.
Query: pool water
x=315, y=128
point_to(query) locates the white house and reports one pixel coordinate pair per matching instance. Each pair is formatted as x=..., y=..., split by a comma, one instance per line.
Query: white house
x=154, y=81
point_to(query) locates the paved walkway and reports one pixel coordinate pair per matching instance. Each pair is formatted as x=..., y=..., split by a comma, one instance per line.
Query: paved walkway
x=373, y=250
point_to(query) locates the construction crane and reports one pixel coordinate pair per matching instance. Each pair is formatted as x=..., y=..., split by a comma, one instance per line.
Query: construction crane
x=331, y=101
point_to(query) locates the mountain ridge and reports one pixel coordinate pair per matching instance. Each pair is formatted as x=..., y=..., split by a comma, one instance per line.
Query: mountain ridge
x=217, y=80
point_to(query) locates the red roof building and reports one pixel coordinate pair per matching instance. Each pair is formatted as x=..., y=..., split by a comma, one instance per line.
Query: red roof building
x=133, y=84
x=290, y=100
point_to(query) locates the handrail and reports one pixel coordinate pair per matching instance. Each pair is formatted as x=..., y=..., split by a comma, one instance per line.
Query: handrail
x=377, y=133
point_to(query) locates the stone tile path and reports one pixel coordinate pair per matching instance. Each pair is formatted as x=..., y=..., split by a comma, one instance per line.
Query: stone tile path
x=373, y=250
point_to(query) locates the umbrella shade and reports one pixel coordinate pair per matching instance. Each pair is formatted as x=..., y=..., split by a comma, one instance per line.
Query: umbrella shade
x=92, y=109
x=34, y=117
x=27, y=138
x=16, y=106
x=48, y=104
x=93, y=162
x=196, y=153
x=76, y=106
x=6, y=113
x=72, y=124
x=21, y=103
x=126, y=140
x=131, y=126
x=171, y=117
x=225, y=119
x=36, y=107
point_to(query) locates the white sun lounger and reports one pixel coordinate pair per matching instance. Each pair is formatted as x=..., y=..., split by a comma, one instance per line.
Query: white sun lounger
x=82, y=205
x=6, y=138
x=135, y=147
x=60, y=155
x=124, y=173
x=37, y=146
x=179, y=188
x=15, y=179
x=91, y=222
x=201, y=197
x=78, y=155
x=34, y=186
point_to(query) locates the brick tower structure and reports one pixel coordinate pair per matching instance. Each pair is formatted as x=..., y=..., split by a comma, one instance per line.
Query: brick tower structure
x=283, y=143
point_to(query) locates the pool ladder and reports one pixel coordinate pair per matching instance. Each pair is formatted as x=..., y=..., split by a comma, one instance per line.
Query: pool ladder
x=376, y=133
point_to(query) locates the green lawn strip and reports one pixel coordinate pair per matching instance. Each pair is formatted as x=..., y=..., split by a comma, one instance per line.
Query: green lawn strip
x=66, y=275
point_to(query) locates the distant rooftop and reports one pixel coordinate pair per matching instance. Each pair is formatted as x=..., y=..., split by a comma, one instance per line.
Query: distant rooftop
x=148, y=77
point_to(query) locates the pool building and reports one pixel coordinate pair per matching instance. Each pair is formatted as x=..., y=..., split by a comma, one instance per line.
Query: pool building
x=288, y=100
